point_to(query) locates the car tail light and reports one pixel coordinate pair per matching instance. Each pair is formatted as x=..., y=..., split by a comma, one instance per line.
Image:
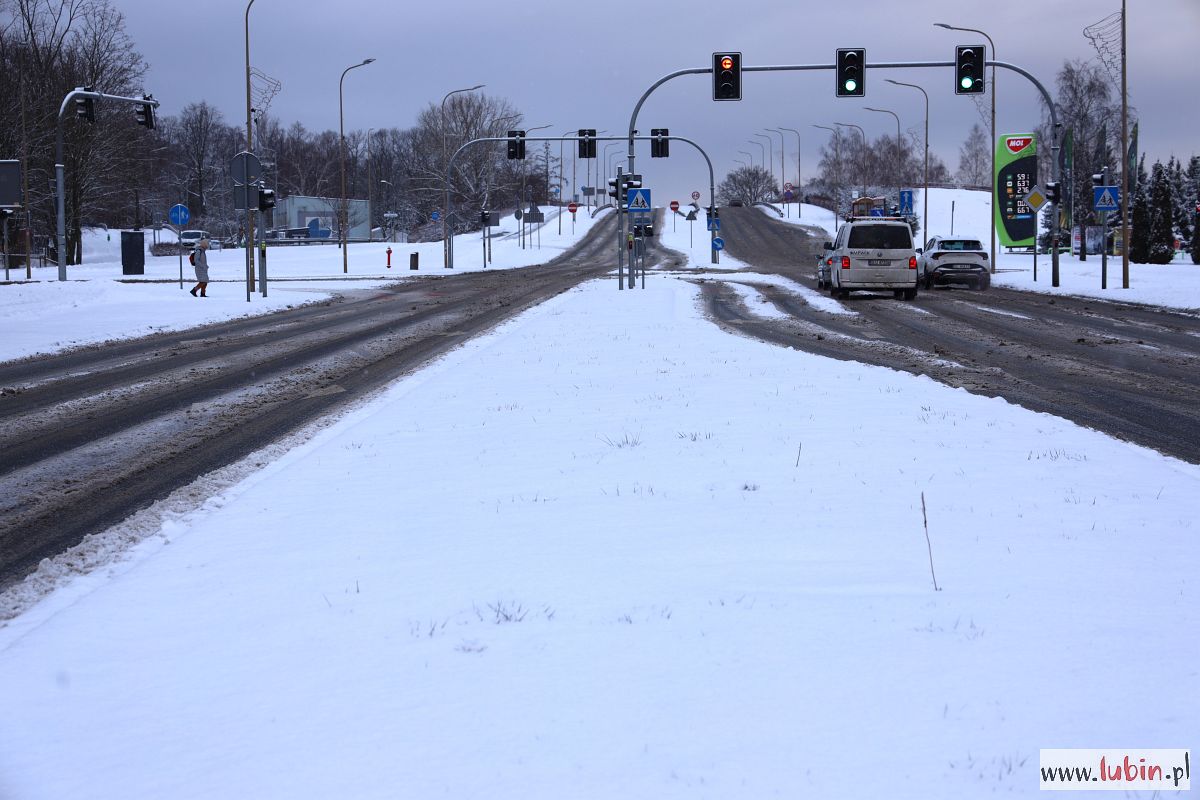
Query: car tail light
x=829, y=262
x=984, y=255
x=912, y=262
x=845, y=262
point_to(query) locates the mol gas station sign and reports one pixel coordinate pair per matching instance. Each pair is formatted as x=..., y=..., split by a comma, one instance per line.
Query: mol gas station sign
x=1016, y=175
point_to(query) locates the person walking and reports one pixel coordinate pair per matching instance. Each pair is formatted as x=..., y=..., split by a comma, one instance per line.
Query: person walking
x=199, y=259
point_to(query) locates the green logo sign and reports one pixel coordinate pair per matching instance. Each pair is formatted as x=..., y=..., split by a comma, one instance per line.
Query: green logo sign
x=1016, y=175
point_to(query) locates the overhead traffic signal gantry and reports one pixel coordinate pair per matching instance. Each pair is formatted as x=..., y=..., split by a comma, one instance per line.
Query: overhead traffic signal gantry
x=969, y=61
x=851, y=78
x=727, y=76
x=660, y=145
x=516, y=144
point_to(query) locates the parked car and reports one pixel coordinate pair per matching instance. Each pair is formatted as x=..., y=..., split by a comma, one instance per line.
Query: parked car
x=873, y=253
x=946, y=260
x=824, y=261
x=190, y=239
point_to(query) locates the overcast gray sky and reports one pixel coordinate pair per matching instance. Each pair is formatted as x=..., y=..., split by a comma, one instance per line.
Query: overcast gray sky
x=560, y=63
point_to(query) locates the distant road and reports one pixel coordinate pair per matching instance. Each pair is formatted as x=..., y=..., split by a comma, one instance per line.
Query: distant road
x=1131, y=371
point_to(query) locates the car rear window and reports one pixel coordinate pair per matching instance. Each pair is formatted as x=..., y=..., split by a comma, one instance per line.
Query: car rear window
x=961, y=244
x=881, y=237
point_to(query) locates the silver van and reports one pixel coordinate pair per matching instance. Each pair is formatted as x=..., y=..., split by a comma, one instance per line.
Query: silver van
x=873, y=254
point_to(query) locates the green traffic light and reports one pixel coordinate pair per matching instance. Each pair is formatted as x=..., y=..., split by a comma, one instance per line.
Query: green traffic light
x=851, y=85
x=967, y=82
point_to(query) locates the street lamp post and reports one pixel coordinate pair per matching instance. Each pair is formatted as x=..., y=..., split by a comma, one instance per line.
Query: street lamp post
x=898, y=164
x=249, y=146
x=344, y=236
x=762, y=151
x=782, y=157
x=770, y=155
x=799, y=182
x=370, y=186
x=387, y=206
x=925, y=191
x=992, y=144
x=837, y=155
x=446, y=178
x=863, y=134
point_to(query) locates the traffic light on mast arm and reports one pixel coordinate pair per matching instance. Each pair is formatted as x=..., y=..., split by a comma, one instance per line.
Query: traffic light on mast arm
x=1053, y=191
x=851, y=78
x=968, y=69
x=587, y=142
x=266, y=199
x=85, y=107
x=145, y=113
x=660, y=146
x=516, y=144
x=727, y=76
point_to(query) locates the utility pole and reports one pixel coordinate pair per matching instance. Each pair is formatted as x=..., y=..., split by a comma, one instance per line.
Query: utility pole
x=1124, y=156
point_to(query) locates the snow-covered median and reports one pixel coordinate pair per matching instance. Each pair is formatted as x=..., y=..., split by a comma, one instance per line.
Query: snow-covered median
x=612, y=551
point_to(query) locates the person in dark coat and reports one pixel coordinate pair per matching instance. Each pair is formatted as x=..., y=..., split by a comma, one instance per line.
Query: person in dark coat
x=200, y=261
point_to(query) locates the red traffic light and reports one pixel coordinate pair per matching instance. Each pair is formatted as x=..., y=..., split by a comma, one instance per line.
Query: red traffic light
x=726, y=63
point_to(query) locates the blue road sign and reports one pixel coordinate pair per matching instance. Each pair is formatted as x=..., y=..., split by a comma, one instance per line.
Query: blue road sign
x=906, y=202
x=787, y=196
x=714, y=223
x=876, y=212
x=718, y=243
x=179, y=214
x=639, y=201
x=1106, y=198
x=435, y=216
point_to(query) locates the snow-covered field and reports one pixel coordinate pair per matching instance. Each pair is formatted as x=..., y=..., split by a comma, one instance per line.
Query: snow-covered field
x=612, y=551
x=963, y=212
x=97, y=303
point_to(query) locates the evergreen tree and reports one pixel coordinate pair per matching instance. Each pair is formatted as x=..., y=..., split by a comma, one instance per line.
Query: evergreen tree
x=1139, y=212
x=1162, y=217
x=1181, y=207
x=1191, y=197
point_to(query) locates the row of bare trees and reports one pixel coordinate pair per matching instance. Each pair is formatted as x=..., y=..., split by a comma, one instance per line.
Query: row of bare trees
x=123, y=175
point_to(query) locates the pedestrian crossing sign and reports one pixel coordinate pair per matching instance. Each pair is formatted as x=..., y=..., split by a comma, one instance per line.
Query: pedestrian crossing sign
x=1106, y=198
x=639, y=201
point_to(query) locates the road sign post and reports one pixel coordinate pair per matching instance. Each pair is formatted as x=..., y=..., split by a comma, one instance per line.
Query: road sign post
x=179, y=216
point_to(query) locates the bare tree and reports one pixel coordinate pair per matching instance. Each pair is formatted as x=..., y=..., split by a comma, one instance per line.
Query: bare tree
x=975, y=158
x=747, y=186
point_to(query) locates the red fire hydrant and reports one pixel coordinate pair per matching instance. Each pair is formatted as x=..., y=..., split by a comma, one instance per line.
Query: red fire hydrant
x=389, y=252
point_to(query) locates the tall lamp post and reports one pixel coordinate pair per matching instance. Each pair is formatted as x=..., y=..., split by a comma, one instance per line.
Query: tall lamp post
x=249, y=146
x=446, y=178
x=837, y=154
x=863, y=134
x=992, y=144
x=799, y=182
x=770, y=154
x=898, y=165
x=753, y=164
x=925, y=191
x=782, y=157
x=762, y=151
x=342, y=133
x=370, y=187
x=387, y=206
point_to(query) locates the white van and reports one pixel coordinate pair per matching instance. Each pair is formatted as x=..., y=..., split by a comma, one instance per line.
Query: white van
x=873, y=254
x=189, y=239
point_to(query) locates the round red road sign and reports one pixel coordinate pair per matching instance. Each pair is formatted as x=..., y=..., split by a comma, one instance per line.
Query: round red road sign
x=572, y=207
x=695, y=195
x=674, y=205
x=788, y=186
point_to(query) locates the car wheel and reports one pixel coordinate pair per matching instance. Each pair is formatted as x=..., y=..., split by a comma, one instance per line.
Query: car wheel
x=928, y=283
x=983, y=283
x=910, y=294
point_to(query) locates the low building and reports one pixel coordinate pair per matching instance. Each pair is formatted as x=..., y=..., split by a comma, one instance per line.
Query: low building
x=297, y=211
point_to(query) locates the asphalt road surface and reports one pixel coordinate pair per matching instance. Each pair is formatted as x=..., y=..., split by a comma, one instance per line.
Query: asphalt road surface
x=91, y=436
x=1125, y=369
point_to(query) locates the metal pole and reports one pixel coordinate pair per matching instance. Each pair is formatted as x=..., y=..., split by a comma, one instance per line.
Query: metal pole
x=1124, y=157
x=992, y=147
x=862, y=134
x=446, y=206
x=925, y=190
x=799, y=183
x=345, y=234
x=782, y=157
x=837, y=155
x=762, y=151
x=370, y=188
x=249, y=149
x=898, y=164
x=770, y=155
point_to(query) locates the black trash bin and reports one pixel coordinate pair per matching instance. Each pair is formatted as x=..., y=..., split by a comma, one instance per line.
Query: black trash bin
x=133, y=253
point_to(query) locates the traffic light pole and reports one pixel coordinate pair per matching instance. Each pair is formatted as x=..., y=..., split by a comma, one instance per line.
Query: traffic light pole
x=1054, y=145
x=712, y=184
x=60, y=169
